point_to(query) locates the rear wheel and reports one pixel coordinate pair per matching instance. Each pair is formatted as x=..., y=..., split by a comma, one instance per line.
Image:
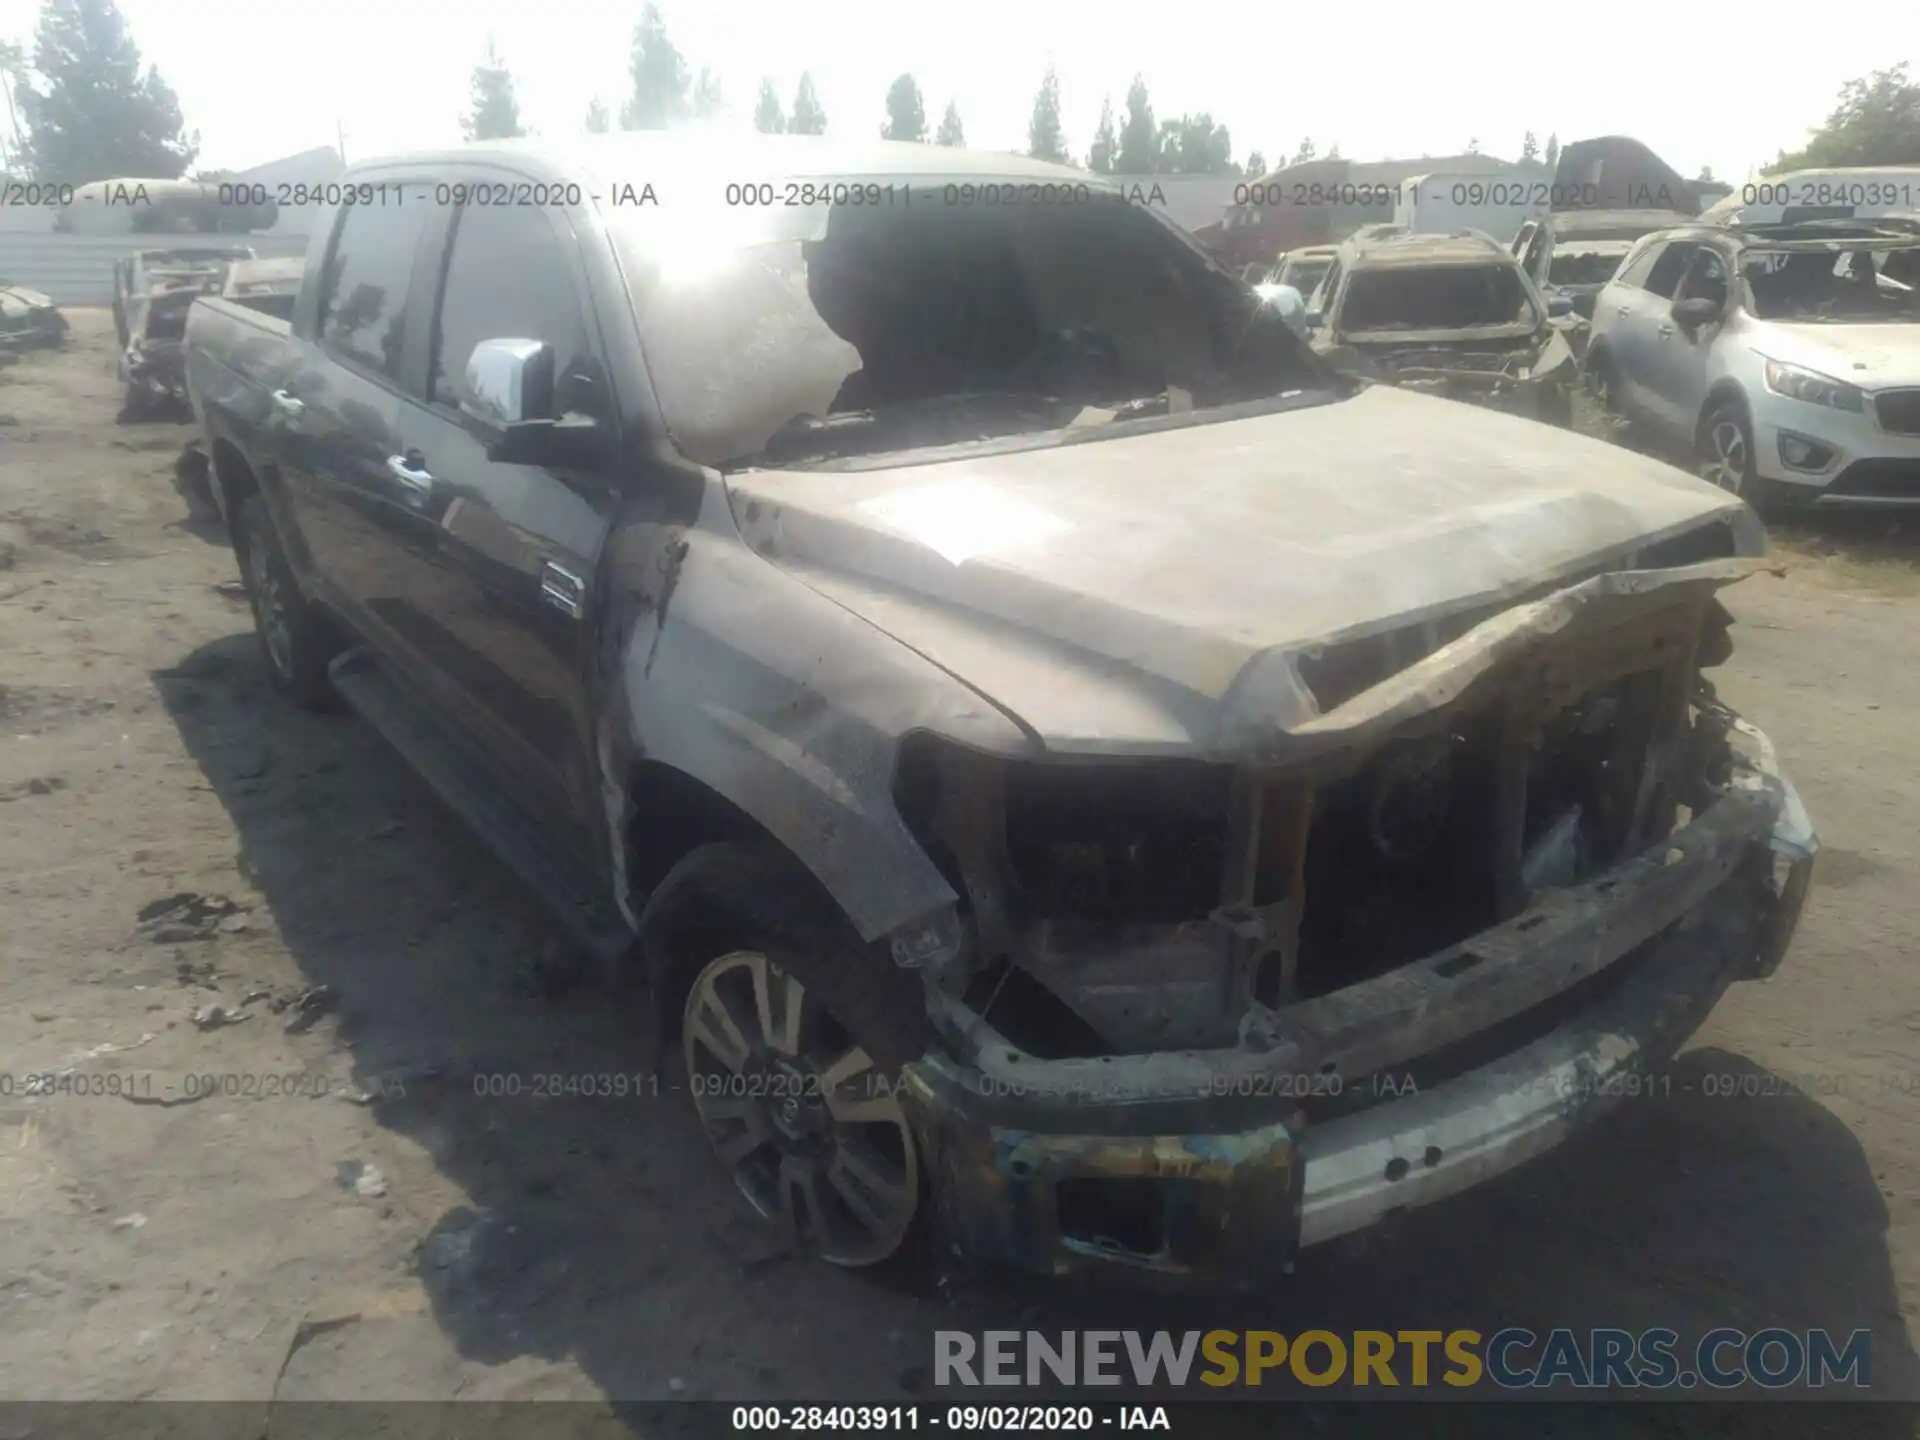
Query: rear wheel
x=1602, y=384
x=294, y=635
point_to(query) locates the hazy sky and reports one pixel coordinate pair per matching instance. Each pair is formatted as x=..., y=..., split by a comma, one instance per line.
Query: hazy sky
x=1702, y=82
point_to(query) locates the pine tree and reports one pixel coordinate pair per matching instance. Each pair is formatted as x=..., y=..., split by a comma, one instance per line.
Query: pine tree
x=1306, y=151
x=659, y=74
x=906, y=115
x=495, y=114
x=1529, y=147
x=88, y=111
x=768, y=117
x=598, y=121
x=807, y=117
x=1101, y=155
x=1552, y=157
x=1139, y=149
x=1044, y=141
x=1257, y=164
x=707, y=102
x=951, y=131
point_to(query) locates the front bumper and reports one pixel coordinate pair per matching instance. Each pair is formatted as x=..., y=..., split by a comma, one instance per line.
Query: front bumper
x=1863, y=466
x=1214, y=1169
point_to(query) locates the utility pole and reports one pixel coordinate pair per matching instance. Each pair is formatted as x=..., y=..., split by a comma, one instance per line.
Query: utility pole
x=340, y=140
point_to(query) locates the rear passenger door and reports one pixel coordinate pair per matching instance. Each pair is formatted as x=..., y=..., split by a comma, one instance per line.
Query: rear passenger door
x=506, y=612
x=338, y=417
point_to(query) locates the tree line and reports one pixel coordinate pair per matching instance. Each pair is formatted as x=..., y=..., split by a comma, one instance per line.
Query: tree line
x=82, y=106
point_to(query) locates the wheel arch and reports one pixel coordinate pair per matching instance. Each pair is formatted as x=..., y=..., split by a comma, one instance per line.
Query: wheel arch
x=233, y=481
x=1725, y=390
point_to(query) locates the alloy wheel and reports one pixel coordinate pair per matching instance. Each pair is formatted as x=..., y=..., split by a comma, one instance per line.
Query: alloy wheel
x=795, y=1107
x=270, y=606
x=1725, y=459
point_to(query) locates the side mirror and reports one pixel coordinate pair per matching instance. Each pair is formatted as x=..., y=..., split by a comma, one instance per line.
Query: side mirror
x=509, y=390
x=509, y=382
x=1558, y=305
x=1285, y=302
x=1692, y=314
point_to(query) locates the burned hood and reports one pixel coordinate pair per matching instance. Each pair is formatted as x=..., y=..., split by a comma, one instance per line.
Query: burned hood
x=1133, y=593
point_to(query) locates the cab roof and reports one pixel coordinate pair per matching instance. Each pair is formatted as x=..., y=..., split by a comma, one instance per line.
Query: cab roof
x=714, y=157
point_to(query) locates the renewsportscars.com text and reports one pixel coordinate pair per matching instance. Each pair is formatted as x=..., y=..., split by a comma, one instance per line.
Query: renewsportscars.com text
x=1509, y=1359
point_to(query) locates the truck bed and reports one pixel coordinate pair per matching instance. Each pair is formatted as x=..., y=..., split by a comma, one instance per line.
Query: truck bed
x=201, y=319
x=236, y=357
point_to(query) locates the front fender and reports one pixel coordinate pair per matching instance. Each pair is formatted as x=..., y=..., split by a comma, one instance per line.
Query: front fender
x=785, y=704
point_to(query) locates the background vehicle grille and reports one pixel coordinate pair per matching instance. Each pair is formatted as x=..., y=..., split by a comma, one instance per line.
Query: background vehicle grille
x=1899, y=411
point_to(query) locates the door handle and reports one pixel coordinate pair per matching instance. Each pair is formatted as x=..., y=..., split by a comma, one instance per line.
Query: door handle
x=563, y=590
x=410, y=472
x=290, y=406
x=1624, y=310
x=1664, y=331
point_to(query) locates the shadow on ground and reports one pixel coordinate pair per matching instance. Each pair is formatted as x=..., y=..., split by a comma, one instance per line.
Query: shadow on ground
x=598, y=1231
x=193, y=480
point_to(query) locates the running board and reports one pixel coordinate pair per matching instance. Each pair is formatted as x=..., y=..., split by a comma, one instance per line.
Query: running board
x=471, y=793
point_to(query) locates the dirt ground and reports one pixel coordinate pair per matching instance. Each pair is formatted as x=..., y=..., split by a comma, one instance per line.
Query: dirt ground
x=385, y=1231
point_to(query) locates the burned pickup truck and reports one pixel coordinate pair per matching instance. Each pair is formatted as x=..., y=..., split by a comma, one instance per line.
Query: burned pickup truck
x=1081, y=779
x=152, y=290
x=1451, y=315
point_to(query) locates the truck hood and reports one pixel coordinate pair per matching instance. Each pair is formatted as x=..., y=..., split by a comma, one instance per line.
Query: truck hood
x=1130, y=594
x=1871, y=356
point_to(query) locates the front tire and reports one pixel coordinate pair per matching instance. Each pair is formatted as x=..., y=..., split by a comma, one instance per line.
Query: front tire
x=1723, y=449
x=793, y=1035
x=294, y=636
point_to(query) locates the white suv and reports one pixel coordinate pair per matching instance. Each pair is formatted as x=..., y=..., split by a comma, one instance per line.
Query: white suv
x=1786, y=358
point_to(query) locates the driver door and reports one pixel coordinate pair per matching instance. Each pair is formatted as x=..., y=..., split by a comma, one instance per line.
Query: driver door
x=1638, y=303
x=1679, y=364
x=503, y=609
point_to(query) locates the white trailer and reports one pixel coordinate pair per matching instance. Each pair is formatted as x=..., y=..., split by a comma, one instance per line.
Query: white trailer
x=1859, y=193
x=1448, y=201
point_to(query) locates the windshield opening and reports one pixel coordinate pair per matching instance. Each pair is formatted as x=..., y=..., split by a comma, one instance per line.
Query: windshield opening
x=1588, y=265
x=1856, y=286
x=866, y=327
x=1448, y=297
x=1305, y=275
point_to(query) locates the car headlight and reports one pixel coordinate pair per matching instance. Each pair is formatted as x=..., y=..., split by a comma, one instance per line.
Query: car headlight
x=1816, y=389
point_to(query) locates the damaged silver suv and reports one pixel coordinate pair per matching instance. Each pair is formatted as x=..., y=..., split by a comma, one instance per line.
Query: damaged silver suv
x=1084, y=780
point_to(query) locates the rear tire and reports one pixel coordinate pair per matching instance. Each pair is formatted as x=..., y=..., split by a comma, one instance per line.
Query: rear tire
x=1599, y=374
x=295, y=638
